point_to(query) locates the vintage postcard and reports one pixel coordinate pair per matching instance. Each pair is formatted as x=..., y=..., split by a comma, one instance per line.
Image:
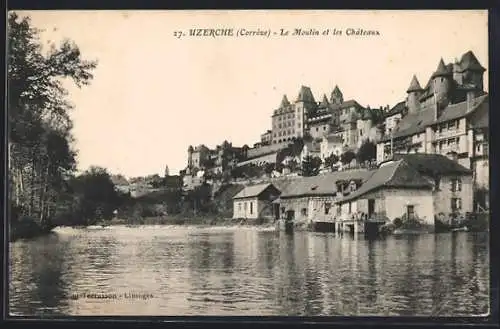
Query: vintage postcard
x=248, y=163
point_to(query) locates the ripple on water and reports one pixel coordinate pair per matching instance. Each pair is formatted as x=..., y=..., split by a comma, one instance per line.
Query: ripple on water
x=247, y=271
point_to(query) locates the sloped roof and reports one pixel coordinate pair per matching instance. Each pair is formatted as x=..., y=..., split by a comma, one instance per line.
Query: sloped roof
x=346, y=104
x=397, y=174
x=284, y=102
x=459, y=110
x=442, y=70
x=336, y=90
x=305, y=95
x=432, y=164
x=268, y=149
x=413, y=123
x=323, y=184
x=324, y=102
x=252, y=191
x=414, y=85
x=268, y=157
x=470, y=62
x=398, y=108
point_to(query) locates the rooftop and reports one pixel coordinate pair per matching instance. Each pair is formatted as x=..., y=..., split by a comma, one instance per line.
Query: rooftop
x=323, y=184
x=253, y=191
x=394, y=174
x=432, y=164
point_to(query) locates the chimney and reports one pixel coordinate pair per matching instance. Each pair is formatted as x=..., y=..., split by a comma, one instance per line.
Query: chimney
x=470, y=100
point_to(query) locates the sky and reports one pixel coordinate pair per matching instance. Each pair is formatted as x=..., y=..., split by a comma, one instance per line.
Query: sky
x=154, y=94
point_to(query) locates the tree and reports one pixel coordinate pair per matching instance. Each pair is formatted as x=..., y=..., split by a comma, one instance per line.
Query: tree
x=95, y=195
x=40, y=142
x=347, y=157
x=311, y=166
x=269, y=168
x=292, y=165
x=331, y=160
x=367, y=151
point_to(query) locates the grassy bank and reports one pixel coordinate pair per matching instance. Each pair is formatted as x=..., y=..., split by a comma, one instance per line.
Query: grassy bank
x=185, y=220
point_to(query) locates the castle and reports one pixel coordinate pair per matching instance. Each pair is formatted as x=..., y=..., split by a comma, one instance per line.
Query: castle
x=449, y=116
x=347, y=120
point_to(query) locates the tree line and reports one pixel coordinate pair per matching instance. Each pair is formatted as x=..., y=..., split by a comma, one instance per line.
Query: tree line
x=43, y=184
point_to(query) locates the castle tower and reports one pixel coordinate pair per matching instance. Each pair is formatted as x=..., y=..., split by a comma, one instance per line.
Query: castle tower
x=457, y=72
x=414, y=92
x=336, y=97
x=472, y=71
x=305, y=105
x=441, y=82
x=190, y=156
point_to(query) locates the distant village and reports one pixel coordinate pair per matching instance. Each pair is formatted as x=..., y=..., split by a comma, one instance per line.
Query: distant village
x=426, y=156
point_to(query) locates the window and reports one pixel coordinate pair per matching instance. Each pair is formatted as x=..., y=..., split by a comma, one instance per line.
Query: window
x=456, y=185
x=303, y=211
x=245, y=206
x=410, y=211
x=328, y=205
x=251, y=208
x=317, y=128
x=350, y=207
x=239, y=206
x=456, y=204
x=298, y=125
x=324, y=128
x=478, y=148
x=339, y=210
x=361, y=132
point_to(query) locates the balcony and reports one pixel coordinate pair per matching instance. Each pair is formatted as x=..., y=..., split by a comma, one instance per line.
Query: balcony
x=447, y=134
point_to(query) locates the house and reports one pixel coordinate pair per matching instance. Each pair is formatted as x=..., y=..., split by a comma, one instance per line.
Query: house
x=420, y=186
x=255, y=202
x=394, y=115
x=310, y=200
x=448, y=116
x=331, y=144
x=312, y=149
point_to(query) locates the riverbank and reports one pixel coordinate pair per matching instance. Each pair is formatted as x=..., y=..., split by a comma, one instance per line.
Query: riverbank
x=27, y=228
x=184, y=220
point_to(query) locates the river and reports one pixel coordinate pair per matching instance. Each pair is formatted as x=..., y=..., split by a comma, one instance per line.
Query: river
x=182, y=270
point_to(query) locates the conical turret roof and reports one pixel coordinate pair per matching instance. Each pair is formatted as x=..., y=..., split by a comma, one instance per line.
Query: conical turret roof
x=284, y=102
x=305, y=95
x=336, y=90
x=414, y=85
x=441, y=70
x=324, y=102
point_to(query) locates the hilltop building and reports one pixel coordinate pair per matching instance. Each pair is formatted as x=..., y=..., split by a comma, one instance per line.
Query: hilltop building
x=449, y=116
x=347, y=120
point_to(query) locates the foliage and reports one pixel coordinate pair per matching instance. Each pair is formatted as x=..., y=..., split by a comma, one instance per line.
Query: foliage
x=347, y=157
x=95, y=196
x=367, y=151
x=198, y=199
x=311, y=166
x=292, y=165
x=40, y=142
x=331, y=160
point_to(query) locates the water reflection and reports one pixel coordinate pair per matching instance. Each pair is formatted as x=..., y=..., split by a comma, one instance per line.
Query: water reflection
x=235, y=271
